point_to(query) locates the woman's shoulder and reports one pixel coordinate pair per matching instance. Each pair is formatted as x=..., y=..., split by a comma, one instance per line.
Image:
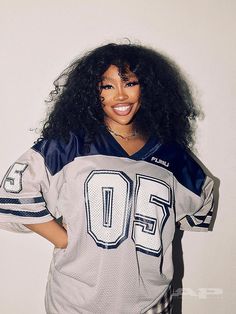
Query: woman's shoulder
x=184, y=165
x=176, y=152
x=57, y=152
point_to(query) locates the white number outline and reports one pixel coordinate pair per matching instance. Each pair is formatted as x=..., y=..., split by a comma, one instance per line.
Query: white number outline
x=127, y=210
x=13, y=180
x=147, y=223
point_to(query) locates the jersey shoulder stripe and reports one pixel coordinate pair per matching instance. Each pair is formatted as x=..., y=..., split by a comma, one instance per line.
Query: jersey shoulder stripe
x=24, y=213
x=32, y=200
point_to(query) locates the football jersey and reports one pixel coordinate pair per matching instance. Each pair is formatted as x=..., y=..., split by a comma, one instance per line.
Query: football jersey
x=120, y=212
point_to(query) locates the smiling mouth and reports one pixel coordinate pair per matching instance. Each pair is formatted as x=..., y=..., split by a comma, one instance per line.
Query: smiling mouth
x=122, y=110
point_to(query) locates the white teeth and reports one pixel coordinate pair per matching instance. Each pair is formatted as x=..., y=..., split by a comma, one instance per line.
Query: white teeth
x=122, y=108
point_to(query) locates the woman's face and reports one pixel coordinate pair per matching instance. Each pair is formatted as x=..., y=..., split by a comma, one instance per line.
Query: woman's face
x=120, y=98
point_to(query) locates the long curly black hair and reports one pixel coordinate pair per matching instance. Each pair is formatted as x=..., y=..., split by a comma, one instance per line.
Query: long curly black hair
x=167, y=108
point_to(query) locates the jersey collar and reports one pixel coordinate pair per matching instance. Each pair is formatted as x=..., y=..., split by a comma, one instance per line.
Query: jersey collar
x=151, y=144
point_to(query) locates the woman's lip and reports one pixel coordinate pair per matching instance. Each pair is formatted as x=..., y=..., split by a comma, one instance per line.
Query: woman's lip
x=121, y=105
x=122, y=109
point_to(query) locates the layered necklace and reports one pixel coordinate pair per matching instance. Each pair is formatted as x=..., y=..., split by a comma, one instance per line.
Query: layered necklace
x=124, y=137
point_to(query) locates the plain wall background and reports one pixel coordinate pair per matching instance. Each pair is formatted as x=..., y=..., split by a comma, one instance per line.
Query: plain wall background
x=39, y=38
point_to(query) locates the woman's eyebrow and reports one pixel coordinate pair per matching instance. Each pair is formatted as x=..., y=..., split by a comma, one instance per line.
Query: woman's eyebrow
x=129, y=76
x=107, y=78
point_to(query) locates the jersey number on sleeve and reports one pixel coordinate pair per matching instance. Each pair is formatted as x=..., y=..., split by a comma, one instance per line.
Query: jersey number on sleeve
x=13, y=180
x=109, y=199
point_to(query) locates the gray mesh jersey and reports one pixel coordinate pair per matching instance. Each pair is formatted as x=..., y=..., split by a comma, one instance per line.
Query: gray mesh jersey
x=121, y=213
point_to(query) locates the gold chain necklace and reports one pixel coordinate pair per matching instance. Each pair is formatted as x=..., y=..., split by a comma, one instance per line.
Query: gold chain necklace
x=126, y=138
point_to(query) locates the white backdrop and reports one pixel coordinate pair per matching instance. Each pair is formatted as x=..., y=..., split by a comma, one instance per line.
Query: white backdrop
x=39, y=38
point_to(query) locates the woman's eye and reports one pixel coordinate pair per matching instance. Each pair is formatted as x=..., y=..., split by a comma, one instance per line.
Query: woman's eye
x=130, y=84
x=105, y=86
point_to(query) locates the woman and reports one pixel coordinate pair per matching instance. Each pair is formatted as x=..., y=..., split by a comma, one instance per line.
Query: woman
x=113, y=161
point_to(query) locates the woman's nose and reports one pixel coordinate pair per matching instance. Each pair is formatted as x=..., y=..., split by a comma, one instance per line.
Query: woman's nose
x=121, y=94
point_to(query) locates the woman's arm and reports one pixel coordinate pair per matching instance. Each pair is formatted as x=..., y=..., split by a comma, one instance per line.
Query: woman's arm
x=51, y=231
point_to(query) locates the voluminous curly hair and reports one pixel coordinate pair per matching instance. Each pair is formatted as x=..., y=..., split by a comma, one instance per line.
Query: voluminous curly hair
x=167, y=108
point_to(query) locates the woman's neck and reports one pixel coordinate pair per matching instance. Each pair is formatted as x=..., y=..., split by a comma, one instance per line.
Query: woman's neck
x=124, y=130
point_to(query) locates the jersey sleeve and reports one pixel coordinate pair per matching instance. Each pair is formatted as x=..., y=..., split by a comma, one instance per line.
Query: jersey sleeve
x=27, y=193
x=193, y=198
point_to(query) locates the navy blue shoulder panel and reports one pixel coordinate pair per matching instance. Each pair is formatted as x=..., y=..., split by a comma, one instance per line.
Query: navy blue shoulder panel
x=177, y=160
x=57, y=153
